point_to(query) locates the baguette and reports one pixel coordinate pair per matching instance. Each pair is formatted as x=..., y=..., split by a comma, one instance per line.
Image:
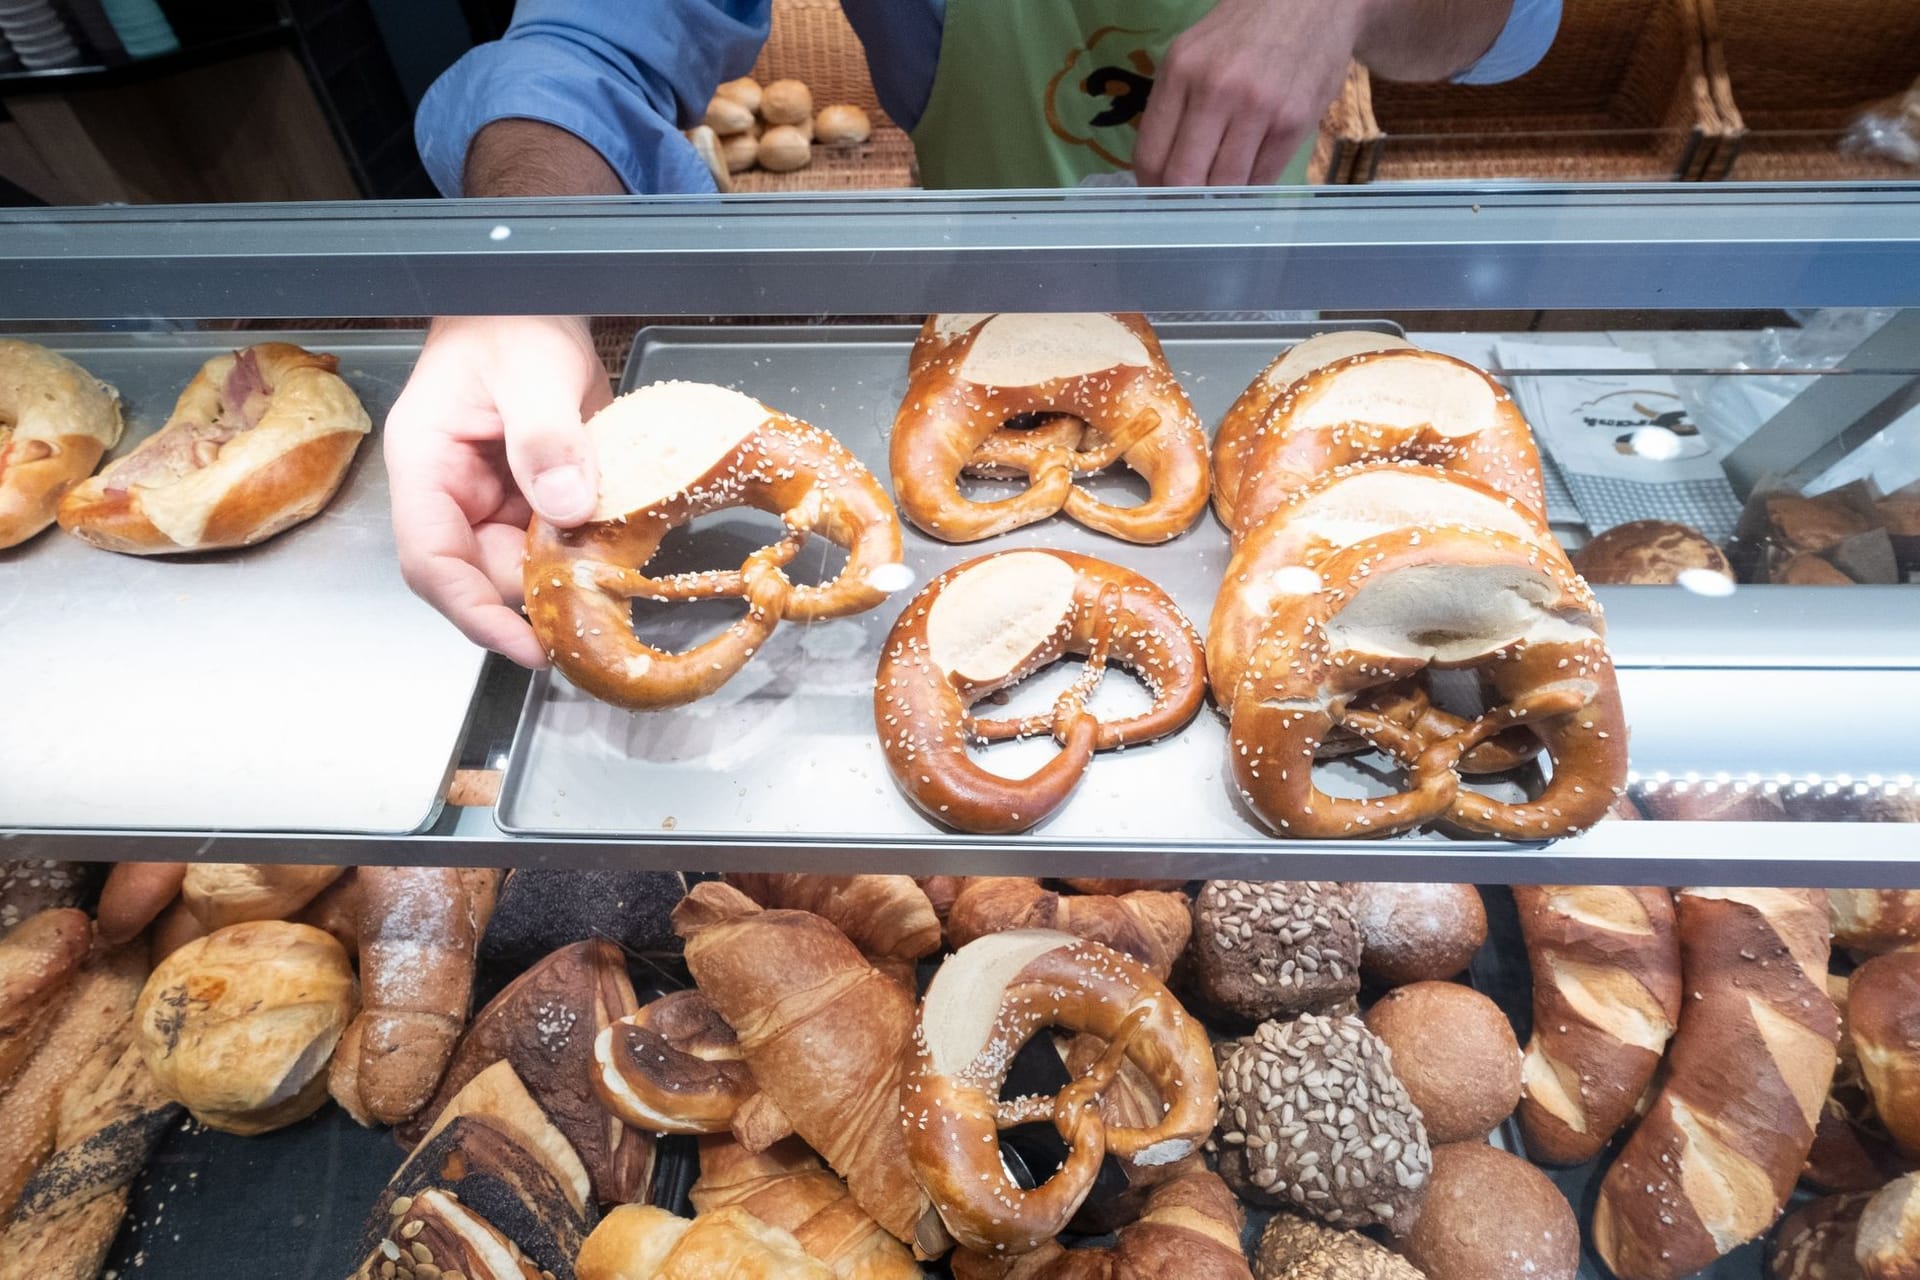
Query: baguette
x=37, y=963
x=1748, y=1071
x=1606, y=996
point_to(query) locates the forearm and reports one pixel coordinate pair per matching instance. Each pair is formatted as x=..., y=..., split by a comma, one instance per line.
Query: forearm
x=531, y=158
x=1428, y=39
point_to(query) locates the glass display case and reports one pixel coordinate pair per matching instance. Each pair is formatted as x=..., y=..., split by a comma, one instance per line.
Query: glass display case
x=1743, y=363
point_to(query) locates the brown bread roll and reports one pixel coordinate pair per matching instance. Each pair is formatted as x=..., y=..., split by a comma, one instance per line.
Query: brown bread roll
x=224, y=893
x=1883, y=1010
x=1261, y=949
x=728, y=117
x=1455, y=1052
x=1649, y=553
x=841, y=125
x=1417, y=932
x=1874, y=920
x=134, y=896
x=1888, y=1246
x=745, y=91
x=1492, y=1216
x=786, y=102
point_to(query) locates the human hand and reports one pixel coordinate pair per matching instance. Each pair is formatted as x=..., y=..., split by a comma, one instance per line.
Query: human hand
x=487, y=431
x=1242, y=89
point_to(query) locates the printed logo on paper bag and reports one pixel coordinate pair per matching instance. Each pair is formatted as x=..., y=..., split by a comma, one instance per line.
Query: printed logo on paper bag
x=1097, y=97
x=1645, y=423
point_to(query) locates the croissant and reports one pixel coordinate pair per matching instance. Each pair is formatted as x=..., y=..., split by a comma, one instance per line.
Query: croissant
x=1191, y=1229
x=887, y=917
x=824, y=1034
x=786, y=1187
x=1150, y=927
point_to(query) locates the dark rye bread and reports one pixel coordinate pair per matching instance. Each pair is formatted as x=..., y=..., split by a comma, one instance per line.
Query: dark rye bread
x=1265, y=949
x=542, y=909
x=497, y=1178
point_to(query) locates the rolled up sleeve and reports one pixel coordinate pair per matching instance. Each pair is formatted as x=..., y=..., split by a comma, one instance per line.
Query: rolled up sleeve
x=622, y=77
x=1529, y=33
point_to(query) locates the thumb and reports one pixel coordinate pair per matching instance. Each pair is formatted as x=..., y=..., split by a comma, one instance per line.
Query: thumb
x=548, y=449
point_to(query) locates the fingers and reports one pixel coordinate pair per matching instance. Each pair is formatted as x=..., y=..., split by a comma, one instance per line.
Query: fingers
x=1158, y=128
x=541, y=384
x=1276, y=152
x=1233, y=163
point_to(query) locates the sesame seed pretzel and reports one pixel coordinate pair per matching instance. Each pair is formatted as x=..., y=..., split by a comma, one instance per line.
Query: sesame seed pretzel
x=1409, y=405
x=988, y=999
x=1107, y=371
x=1391, y=607
x=579, y=582
x=990, y=623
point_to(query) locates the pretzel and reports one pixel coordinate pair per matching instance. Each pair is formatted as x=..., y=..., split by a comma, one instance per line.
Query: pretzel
x=989, y=999
x=672, y=1067
x=1414, y=406
x=1107, y=371
x=669, y=453
x=1315, y=523
x=1391, y=606
x=1234, y=439
x=987, y=625
x=56, y=422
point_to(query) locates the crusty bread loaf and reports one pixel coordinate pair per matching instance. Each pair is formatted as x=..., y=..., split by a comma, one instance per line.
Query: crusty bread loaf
x=1747, y=1073
x=1606, y=997
x=224, y=893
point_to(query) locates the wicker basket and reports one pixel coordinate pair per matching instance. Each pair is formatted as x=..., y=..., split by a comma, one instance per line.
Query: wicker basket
x=1622, y=96
x=1792, y=78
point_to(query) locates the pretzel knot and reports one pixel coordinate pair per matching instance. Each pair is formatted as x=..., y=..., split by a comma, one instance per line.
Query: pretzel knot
x=1101, y=391
x=985, y=1003
x=670, y=453
x=988, y=624
x=1393, y=606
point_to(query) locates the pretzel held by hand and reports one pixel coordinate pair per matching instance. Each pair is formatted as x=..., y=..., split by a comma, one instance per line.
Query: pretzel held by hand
x=1107, y=371
x=1392, y=606
x=989, y=999
x=669, y=453
x=1407, y=406
x=987, y=625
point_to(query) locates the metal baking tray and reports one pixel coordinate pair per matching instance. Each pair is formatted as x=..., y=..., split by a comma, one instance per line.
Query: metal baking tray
x=293, y=686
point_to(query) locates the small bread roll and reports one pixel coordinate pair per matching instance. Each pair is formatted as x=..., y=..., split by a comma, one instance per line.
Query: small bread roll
x=842, y=125
x=1888, y=1246
x=727, y=117
x=786, y=102
x=784, y=148
x=706, y=144
x=806, y=128
x=741, y=151
x=224, y=893
x=1456, y=1054
x=1492, y=1216
x=745, y=91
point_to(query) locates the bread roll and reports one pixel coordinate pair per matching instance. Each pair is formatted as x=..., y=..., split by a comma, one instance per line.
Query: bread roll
x=741, y=151
x=1816, y=1241
x=783, y=149
x=1492, y=1216
x=786, y=102
x=239, y=1025
x=1888, y=1246
x=224, y=893
x=1296, y=1248
x=745, y=91
x=1455, y=1052
x=37, y=963
x=1874, y=920
x=841, y=125
x=726, y=117
x=706, y=145
x=1417, y=932
x=134, y=896
x=1883, y=1012
x=1650, y=553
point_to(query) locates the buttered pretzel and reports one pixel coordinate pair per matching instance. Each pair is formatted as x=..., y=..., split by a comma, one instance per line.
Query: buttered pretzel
x=989, y=999
x=1386, y=609
x=987, y=625
x=669, y=453
x=56, y=422
x=1234, y=439
x=971, y=375
x=1413, y=406
x=674, y=1066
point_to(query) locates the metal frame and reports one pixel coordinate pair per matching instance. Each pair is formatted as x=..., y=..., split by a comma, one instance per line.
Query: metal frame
x=1663, y=247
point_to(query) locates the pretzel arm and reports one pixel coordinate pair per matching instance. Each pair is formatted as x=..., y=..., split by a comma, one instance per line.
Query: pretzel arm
x=854, y=513
x=1170, y=453
x=933, y=445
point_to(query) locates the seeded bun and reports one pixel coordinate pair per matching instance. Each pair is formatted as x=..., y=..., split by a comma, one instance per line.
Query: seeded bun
x=1492, y=1216
x=1296, y=1248
x=1649, y=553
x=1265, y=949
x=1455, y=1052
x=786, y=102
x=1417, y=932
x=1312, y=1118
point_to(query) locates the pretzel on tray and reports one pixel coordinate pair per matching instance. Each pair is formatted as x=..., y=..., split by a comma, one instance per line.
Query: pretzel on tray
x=970, y=375
x=1388, y=608
x=988, y=999
x=668, y=453
x=990, y=623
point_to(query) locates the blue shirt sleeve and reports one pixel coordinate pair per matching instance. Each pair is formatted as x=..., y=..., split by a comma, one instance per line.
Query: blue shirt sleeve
x=1529, y=33
x=620, y=75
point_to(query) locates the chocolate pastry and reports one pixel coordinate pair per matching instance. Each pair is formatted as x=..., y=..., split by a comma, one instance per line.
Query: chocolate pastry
x=542, y=909
x=1264, y=949
x=1313, y=1118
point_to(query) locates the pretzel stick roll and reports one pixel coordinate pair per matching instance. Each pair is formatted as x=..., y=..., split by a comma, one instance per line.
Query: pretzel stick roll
x=1606, y=997
x=1884, y=1011
x=258, y=442
x=1716, y=1157
x=988, y=1000
x=1387, y=608
x=674, y=1066
x=56, y=422
x=669, y=453
x=1108, y=371
x=990, y=623
x=1414, y=406
x=1234, y=439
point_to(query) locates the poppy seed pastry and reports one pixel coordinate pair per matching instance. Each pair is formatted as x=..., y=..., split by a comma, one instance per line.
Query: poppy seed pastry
x=1456, y=1054
x=1313, y=1118
x=1264, y=949
x=1296, y=1248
